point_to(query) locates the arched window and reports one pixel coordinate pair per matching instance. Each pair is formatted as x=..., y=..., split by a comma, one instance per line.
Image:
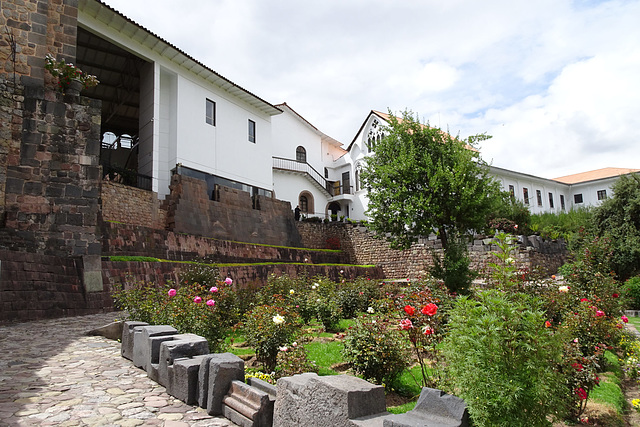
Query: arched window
x=305, y=201
x=301, y=154
x=357, y=179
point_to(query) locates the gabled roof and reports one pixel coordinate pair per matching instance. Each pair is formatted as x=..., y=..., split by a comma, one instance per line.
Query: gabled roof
x=104, y=13
x=594, y=175
x=284, y=106
x=387, y=117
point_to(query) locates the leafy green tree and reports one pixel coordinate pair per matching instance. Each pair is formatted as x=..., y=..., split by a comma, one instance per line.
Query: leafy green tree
x=420, y=180
x=618, y=219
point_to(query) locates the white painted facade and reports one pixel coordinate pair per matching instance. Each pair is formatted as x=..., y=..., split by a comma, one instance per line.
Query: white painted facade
x=173, y=92
x=173, y=130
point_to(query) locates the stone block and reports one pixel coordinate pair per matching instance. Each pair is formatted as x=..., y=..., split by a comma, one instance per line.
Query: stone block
x=126, y=347
x=112, y=331
x=180, y=346
x=248, y=406
x=434, y=408
x=223, y=369
x=310, y=400
x=183, y=379
x=146, y=344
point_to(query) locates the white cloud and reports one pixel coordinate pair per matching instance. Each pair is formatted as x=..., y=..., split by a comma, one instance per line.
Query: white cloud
x=554, y=81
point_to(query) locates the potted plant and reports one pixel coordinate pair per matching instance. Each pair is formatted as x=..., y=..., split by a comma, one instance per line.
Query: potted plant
x=71, y=79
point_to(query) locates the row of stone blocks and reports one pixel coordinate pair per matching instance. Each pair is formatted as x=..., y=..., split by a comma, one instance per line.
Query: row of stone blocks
x=182, y=364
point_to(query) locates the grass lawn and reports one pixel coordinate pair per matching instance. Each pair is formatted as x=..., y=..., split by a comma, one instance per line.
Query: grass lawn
x=635, y=321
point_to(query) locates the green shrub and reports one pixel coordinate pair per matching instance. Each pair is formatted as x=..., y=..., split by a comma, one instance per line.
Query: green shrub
x=501, y=360
x=268, y=327
x=632, y=291
x=328, y=313
x=293, y=359
x=191, y=308
x=375, y=349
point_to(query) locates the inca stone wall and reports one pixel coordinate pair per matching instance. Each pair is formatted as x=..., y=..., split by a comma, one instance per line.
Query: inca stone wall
x=234, y=216
x=364, y=247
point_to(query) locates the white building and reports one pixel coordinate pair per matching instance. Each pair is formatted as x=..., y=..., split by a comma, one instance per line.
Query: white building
x=180, y=113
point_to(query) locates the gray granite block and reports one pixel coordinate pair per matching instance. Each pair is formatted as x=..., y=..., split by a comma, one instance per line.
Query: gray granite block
x=146, y=344
x=223, y=369
x=126, y=348
x=180, y=346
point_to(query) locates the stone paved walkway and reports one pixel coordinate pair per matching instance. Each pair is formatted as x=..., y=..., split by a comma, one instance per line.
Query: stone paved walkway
x=52, y=374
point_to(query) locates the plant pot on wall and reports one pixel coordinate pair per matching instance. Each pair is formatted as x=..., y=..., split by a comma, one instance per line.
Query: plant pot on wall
x=74, y=87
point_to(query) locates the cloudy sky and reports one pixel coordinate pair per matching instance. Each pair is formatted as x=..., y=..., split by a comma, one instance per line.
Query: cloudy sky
x=555, y=82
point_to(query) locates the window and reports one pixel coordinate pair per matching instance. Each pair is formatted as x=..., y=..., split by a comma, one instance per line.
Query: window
x=252, y=131
x=551, y=200
x=562, y=201
x=301, y=154
x=304, y=204
x=210, y=112
x=346, y=184
x=357, y=179
x=602, y=194
x=525, y=194
x=577, y=198
x=512, y=191
x=539, y=197
x=326, y=173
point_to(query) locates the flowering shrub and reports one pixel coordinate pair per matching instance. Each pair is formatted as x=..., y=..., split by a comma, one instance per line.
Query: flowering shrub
x=293, y=359
x=268, y=327
x=632, y=292
x=501, y=359
x=375, y=349
x=186, y=308
x=67, y=72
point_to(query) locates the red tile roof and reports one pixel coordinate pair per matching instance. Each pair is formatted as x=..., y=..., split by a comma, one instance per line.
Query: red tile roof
x=594, y=175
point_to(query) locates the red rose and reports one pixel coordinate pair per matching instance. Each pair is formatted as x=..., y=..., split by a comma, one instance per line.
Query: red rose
x=547, y=324
x=409, y=310
x=615, y=295
x=429, y=309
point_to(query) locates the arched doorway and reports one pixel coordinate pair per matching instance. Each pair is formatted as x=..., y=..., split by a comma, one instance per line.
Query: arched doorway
x=334, y=208
x=305, y=201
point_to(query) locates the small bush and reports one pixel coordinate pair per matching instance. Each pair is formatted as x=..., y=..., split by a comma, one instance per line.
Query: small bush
x=268, y=327
x=375, y=349
x=293, y=359
x=501, y=360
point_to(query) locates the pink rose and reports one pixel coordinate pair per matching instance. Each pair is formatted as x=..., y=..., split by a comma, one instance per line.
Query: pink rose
x=406, y=324
x=197, y=300
x=228, y=281
x=625, y=319
x=599, y=313
x=213, y=289
x=172, y=292
x=211, y=303
x=428, y=330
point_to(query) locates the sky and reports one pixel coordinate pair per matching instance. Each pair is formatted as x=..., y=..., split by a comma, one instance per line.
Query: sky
x=556, y=83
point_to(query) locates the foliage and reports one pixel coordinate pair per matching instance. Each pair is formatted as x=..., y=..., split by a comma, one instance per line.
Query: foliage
x=632, y=292
x=421, y=314
x=566, y=224
x=420, y=180
x=293, y=359
x=375, y=349
x=618, y=219
x=453, y=267
x=134, y=258
x=501, y=357
x=67, y=72
x=509, y=215
x=190, y=308
x=268, y=327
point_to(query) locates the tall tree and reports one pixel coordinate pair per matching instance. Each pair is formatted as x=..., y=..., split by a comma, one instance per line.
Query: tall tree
x=618, y=219
x=420, y=180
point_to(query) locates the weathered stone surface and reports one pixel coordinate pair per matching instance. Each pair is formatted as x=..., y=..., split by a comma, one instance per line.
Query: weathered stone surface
x=126, y=348
x=223, y=369
x=310, y=400
x=248, y=406
x=183, y=379
x=182, y=345
x=433, y=409
x=146, y=344
x=113, y=331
